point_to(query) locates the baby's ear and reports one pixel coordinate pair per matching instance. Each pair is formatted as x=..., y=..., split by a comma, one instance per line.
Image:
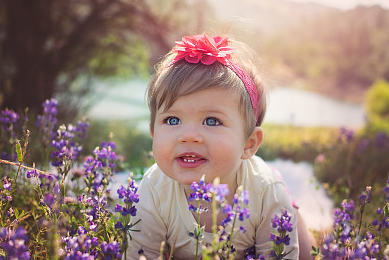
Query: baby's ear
x=151, y=133
x=253, y=143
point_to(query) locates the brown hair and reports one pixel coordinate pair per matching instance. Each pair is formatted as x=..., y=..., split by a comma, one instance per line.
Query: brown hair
x=183, y=78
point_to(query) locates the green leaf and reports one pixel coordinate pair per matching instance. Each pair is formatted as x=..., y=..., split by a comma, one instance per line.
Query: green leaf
x=19, y=151
x=386, y=210
x=16, y=211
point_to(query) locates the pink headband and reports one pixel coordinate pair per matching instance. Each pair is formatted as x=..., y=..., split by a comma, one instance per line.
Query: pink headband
x=208, y=50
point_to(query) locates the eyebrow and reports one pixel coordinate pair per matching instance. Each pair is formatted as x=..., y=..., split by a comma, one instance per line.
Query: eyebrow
x=205, y=111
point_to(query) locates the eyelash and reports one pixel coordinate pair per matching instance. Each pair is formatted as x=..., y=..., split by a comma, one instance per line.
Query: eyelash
x=218, y=122
x=167, y=121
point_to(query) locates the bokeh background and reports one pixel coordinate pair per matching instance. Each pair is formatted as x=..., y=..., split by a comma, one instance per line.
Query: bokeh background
x=326, y=65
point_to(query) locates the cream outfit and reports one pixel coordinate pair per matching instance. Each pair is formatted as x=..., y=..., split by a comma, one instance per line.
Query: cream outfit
x=163, y=210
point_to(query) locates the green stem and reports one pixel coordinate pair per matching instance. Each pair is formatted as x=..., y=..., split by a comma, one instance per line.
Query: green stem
x=360, y=221
x=214, y=224
x=17, y=174
x=232, y=232
x=198, y=230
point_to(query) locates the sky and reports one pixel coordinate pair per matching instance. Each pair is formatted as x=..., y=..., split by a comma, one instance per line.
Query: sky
x=347, y=4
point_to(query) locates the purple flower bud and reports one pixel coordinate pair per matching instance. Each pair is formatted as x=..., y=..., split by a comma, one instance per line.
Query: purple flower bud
x=81, y=230
x=118, y=208
x=49, y=199
x=32, y=173
x=95, y=241
x=119, y=225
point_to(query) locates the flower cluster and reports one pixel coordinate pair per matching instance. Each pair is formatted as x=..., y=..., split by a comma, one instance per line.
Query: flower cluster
x=216, y=193
x=65, y=148
x=8, y=121
x=5, y=192
x=129, y=197
x=237, y=209
x=81, y=247
x=8, y=118
x=111, y=250
x=347, y=242
x=200, y=193
x=48, y=120
x=84, y=247
x=13, y=242
x=280, y=238
x=99, y=169
x=365, y=196
x=347, y=134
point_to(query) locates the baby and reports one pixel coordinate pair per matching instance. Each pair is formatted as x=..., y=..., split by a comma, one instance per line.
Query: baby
x=207, y=103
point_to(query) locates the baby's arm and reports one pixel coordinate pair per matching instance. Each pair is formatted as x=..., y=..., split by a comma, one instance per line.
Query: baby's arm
x=152, y=228
x=274, y=201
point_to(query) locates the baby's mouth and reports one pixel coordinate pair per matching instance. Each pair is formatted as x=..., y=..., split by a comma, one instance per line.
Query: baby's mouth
x=190, y=160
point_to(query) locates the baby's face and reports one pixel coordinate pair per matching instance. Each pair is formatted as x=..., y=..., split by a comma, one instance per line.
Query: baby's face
x=201, y=133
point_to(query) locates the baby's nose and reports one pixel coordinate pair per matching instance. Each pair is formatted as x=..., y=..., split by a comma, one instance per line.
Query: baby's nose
x=190, y=134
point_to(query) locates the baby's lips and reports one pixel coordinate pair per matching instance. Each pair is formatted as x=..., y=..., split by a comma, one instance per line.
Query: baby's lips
x=191, y=156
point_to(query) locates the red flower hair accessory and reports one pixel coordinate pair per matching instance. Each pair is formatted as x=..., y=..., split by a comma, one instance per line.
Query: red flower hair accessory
x=204, y=49
x=208, y=50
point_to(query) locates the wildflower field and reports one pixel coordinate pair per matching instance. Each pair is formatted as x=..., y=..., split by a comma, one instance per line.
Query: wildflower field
x=55, y=202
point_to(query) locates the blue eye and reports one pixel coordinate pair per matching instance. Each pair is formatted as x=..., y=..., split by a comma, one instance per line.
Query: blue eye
x=172, y=120
x=211, y=121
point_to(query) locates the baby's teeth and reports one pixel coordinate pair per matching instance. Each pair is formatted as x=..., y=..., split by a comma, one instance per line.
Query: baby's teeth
x=186, y=160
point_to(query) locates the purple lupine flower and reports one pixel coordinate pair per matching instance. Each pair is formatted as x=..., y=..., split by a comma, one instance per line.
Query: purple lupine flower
x=282, y=225
x=381, y=139
x=131, y=211
x=245, y=197
x=331, y=250
x=386, y=190
x=111, y=250
x=119, y=225
x=79, y=247
x=8, y=123
x=49, y=199
x=81, y=230
x=97, y=207
x=242, y=229
x=118, y=208
x=66, y=148
x=8, y=119
x=384, y=223
x=129, y=197
x=99, y=169
x=13, y=243
x=200, y=191
x=219, y=192
x=366, y=249
x=48, y=120
x=6, y=184
x=347, y=133
x=95, y=241
x=249, y=253
x=32, y=173
x=365, y=196
x=81, y=128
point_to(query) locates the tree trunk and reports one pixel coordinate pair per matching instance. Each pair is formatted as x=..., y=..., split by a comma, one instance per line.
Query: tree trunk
x=31, y=76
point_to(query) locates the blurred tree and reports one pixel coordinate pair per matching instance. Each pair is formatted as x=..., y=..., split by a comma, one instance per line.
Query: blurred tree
x=377, y=107
x=47, y=44
x=344, y=51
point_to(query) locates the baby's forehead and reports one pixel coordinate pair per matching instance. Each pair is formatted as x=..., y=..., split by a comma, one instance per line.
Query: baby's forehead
x=169, y=98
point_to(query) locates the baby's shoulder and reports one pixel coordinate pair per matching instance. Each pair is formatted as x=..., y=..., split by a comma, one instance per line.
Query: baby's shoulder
x=259, y=175
x=155, y=178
